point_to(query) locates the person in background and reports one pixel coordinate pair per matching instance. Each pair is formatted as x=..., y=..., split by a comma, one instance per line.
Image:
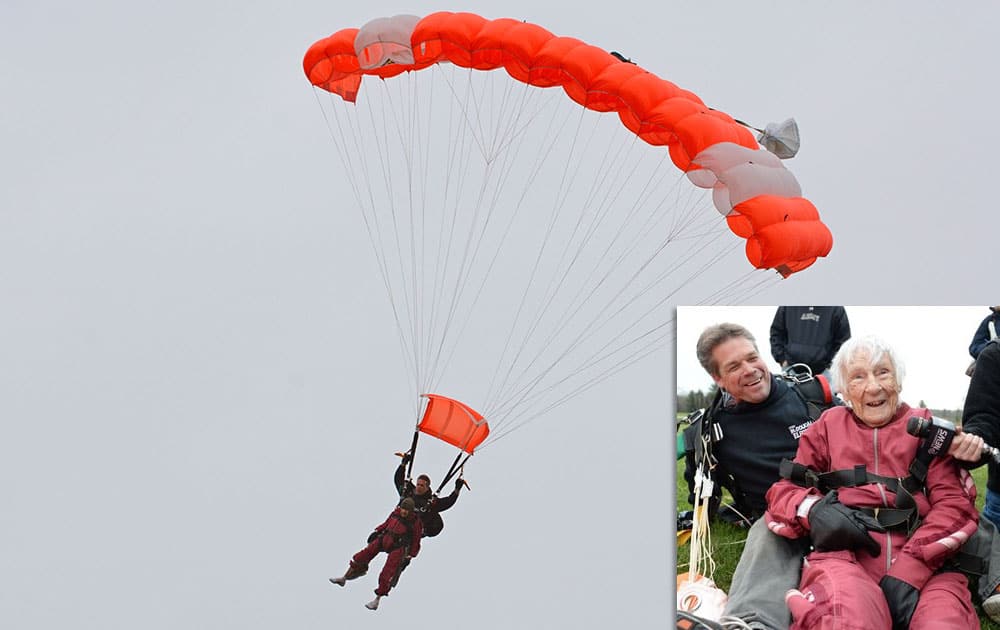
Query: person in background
x=985, y=333
x=981, y=425
x=809, y=335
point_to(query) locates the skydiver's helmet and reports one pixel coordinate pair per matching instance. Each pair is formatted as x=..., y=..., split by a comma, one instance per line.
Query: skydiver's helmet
x=407, y=504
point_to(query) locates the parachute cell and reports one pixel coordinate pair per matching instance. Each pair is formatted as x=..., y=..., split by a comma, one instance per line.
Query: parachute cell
x=385, y=41
x=332, y=64
x=736, y=174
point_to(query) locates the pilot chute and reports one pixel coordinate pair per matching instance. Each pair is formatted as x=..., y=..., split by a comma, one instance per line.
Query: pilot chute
x=453, y=422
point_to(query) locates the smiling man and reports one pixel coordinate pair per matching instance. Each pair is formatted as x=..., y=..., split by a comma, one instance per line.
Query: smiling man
x=757, y=419
x=753, y=423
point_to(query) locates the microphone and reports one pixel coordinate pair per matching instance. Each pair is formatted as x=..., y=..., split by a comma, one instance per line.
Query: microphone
x=939, y=433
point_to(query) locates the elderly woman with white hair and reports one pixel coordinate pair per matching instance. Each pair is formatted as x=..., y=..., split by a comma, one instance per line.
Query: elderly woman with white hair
x=881, y=527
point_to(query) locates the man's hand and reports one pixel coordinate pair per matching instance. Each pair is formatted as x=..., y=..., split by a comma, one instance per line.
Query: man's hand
x=834, y=526
x=967, y=447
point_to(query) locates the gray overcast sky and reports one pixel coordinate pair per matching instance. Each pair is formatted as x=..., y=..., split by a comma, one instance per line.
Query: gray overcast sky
x=199, y=386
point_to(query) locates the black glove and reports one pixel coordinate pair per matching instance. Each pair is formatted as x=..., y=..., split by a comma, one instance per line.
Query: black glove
x=459, y=483
x=405, y=460
x=902, y=599
x=834, y=526
x=685, y=520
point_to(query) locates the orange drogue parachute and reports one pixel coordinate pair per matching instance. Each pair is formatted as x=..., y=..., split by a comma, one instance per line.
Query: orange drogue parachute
x=760, y=199
x=453, y=422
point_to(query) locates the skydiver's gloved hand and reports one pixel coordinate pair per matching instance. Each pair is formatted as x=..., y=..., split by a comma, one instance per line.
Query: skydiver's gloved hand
x=459, y=483
x=902, y=598
x=406, y=459
x=835, y=527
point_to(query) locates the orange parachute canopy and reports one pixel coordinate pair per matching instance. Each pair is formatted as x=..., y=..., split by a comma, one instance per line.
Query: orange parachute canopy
x=656, y=110
x=453, y=422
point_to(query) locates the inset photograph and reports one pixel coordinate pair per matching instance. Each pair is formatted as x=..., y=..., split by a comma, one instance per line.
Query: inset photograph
x=837, y=463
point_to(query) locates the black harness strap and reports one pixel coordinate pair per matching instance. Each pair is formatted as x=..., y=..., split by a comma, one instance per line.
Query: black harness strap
x=814, y=392
x=904, y=487
x=404, y=539
x=413, y=453
x=889, y=518
x=456, y=466
x=905, y=512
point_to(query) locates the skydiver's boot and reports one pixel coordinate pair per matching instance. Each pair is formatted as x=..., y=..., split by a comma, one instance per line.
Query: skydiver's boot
x=373, y=605
x=354, y=571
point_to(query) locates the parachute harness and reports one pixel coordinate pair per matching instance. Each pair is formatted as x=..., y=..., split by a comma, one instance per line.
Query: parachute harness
x=696, y=589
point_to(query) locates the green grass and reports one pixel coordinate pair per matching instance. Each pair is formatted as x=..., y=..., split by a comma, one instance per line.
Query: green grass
x=727, y=540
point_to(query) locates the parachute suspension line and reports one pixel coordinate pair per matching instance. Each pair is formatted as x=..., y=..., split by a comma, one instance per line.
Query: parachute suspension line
x=636, y=353
x=556, y=210
x=408, y=138
x=504, y=128
x=580, y=298
x=644, y=226
x=512, y=149
x=347, y=132
x=403, y=123
x=652, y=343
x=455, y=140
x=647, y=343
x=422, y=161
x=405, y=324
x=428, y=293
x=457, y=148
x=471, y=255
x=467, y=263
x=457, y=155
x=743, y=288
x=504, y=170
